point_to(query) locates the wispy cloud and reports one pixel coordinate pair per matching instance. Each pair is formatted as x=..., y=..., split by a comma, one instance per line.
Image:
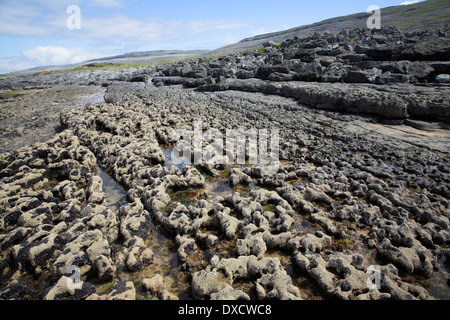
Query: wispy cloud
x=37, y=22
x=55, y=55
x=107, y=3
x=48, y=56
x=121, y=26
x=10, y=64
x=114, y=30
x=14, y=20
x=205, y=26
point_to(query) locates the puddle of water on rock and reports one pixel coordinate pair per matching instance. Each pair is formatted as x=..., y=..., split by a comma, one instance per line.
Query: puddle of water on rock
x=214, y=186
x=219, y=187
x=170, y=163
x=165, y=260
x=116, y=195
x=166, y=264
x=439, y=282
x=185, y=197
x=436, y=285
x=301, y=226
x=396, y=169
x=97, y=97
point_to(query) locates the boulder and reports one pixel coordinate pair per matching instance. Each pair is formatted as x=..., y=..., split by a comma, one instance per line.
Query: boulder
x=253, y=245
x=264, y=72
x=207, y=282
x=67, y=289
x=230, y=294
x=157, y=288
x=138, y=257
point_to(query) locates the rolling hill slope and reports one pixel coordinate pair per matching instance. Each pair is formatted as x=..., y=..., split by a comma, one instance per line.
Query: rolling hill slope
x=430, y=14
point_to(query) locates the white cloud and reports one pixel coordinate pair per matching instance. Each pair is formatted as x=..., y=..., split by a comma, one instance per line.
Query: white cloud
x=52, y=55
x=11, y=64
x=120, y=26
x=410, y=2
x=107, y=3
x=48, y=56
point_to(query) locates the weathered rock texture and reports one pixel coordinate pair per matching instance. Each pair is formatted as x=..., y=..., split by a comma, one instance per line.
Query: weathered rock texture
x=351, y=192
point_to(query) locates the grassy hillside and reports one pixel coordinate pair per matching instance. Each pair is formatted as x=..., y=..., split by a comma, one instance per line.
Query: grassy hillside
x=430, y=14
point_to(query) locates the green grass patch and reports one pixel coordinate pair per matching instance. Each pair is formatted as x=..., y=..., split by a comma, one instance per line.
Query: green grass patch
x=11, y=94
x=111, y=66
x=207, y=59
x=94, y=66
x=269, y=207
x=344, y=244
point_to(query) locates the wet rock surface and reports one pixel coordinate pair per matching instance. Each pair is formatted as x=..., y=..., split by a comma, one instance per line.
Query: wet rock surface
x=352, y=194
x=30, y=114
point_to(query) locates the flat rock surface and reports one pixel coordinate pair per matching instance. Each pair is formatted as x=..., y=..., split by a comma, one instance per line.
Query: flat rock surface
x=33, y=116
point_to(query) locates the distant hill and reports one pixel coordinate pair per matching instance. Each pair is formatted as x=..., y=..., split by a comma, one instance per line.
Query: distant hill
x=147, y=56
x=426, y=15
x=127, y=58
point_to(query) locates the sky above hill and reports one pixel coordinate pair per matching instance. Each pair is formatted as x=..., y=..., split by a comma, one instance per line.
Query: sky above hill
x=54, y=32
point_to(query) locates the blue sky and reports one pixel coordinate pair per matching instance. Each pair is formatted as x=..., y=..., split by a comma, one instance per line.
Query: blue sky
x=35, y=33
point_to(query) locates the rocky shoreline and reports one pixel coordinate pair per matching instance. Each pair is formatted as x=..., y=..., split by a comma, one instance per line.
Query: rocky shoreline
x=363, y=180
